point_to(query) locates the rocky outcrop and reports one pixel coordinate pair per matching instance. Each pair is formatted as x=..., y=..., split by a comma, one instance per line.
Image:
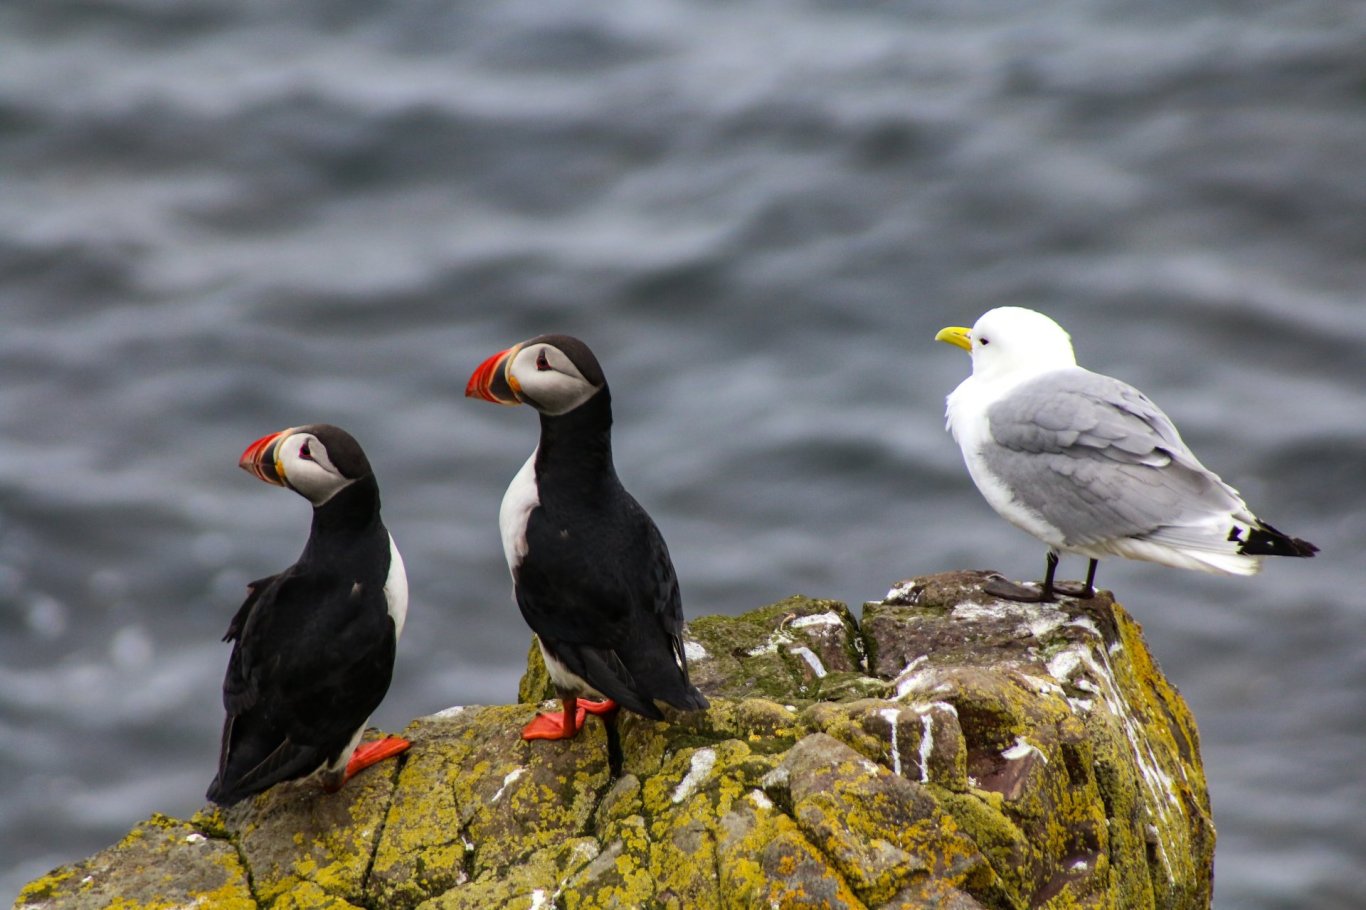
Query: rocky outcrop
x=950, y=751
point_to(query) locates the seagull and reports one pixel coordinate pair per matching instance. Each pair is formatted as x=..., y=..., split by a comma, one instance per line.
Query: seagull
x=1088, y=464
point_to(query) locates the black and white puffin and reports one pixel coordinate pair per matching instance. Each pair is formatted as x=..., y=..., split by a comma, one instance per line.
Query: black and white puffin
x=313, y=647
x=590, y=571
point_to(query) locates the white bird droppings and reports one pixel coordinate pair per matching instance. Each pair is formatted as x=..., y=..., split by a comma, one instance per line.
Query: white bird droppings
x=1085, y=622
x=818, y=619
x=926, y=745
x=811, y=659
x=703, y=760
x=452, y=711
x=508, y=780
x=778, y=777
x=1061, y=665
x=693, y=651
x=903, y=592
x=910, y=680
x=892, y=715
x=761, y=799
x=1022, y=748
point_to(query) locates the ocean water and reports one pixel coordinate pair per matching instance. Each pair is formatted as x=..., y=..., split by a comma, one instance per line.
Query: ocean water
x=221, y=218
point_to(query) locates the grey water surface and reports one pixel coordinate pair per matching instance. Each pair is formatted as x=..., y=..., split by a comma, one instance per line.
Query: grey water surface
x=220, y=218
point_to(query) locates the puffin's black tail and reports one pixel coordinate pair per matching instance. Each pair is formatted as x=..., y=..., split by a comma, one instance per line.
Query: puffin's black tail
x=689, y=700
x=1264, y=540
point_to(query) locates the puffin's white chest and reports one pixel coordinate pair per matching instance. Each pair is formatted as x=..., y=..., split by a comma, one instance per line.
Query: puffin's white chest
x=518, y=502
x=396, y=589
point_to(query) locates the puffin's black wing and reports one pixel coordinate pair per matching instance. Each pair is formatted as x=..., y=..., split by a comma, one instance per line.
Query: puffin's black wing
x=313, y=658
x=606, y=602
x=237, y=692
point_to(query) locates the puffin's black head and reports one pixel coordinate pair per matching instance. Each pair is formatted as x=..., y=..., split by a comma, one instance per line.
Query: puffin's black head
x=552, y=373
x=316, y=461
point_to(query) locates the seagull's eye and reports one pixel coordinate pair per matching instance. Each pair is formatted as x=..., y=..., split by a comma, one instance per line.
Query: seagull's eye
x=541, y=363
x=984, y=341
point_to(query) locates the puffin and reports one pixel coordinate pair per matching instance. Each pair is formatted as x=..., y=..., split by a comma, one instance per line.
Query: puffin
x=1088, y=464
x=313, y=646
x=591, y=573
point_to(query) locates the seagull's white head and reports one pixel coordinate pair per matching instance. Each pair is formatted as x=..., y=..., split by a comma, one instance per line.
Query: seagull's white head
x=1012, y=341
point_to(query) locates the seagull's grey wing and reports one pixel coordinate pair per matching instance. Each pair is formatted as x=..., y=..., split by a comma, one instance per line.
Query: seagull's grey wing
x=1098, y=460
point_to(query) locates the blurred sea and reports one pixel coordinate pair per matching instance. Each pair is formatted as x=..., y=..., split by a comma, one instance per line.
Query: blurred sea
x=219, y=218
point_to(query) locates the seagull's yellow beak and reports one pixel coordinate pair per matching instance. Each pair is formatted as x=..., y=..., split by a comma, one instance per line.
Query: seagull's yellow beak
x=956, y=335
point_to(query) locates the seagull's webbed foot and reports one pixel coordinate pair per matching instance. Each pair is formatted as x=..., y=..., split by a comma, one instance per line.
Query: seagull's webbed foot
x=998, y=586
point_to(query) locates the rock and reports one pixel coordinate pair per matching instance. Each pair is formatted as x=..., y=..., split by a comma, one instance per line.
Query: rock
x=953, y=751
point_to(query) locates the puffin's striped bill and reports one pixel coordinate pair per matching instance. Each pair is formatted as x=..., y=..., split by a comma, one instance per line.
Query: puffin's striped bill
x=259, y=458
x=491, y=381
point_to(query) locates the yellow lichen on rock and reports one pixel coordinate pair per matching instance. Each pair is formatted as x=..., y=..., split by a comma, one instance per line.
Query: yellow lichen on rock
x=951, y=751
x=161, y=864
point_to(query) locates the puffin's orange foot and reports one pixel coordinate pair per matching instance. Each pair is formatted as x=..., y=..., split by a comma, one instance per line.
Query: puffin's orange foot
x=556, y=726
x=606, y=706
x=374, y=752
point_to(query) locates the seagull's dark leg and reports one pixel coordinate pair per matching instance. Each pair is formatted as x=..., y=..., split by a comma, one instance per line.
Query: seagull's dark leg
x=1086, y=591
x=1051, y=561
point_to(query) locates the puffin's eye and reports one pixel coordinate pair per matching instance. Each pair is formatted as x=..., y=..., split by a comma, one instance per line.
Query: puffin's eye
x=304, y=452
x=541, y=363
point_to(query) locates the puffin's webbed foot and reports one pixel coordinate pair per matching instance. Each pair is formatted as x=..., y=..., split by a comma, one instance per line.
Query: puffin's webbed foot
x=568, y=722
x=561, y=725
x=372, y=753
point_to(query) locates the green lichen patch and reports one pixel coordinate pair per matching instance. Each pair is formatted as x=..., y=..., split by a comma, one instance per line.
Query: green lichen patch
x=1144, y=750
x=765, y=726
x=421, y=851
x=881, y=831
x=306, y=895
x=536, y=882
x=764, y=860
x=683, y=806
x=162, y=863
x=511, y=798
x=921, y=741
x=783, y=652
x=535, y=686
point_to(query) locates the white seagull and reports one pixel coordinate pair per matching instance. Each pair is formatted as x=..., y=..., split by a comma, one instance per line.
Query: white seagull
x=1088, y=464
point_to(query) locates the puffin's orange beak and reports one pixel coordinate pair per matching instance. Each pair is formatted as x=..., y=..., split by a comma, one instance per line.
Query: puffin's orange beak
x=259, y=458
x=492, y=382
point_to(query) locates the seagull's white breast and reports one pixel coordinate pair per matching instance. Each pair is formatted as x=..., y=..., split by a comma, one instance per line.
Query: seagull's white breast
x=967, y=421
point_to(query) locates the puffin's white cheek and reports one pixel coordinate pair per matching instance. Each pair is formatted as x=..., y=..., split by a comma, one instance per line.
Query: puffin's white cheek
x=314, y=482
x=555, y=393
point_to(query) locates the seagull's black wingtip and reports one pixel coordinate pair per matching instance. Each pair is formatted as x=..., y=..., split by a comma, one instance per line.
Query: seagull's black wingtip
x=1264, y=540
